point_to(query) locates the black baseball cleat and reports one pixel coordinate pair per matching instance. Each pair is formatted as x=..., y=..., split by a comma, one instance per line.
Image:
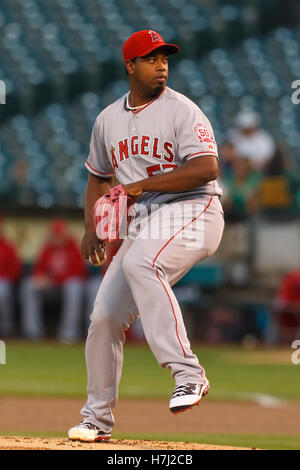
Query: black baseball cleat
x=88, y=432
x=187, y=395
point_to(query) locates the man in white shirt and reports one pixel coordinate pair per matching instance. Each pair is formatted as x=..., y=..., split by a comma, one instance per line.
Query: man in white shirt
x=250, y=141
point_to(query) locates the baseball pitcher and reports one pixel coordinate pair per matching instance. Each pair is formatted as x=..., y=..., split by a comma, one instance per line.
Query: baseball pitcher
x=161, y=148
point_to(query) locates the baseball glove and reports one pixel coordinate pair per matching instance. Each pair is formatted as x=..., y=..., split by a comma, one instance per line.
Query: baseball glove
x=110, y=213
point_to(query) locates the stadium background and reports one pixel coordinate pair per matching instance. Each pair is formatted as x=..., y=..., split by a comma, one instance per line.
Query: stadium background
x=61, y=64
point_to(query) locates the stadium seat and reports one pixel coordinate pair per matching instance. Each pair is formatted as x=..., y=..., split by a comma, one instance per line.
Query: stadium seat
x=62, y=63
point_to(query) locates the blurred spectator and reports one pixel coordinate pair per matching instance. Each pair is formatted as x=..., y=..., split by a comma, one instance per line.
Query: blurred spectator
x=10, y=270
x=20, y=173
x=228, y=159
x=287, y=307
x=275, y=189
x=241, y=190
x=60, y=269
x=20, y=182
x=222, y=326
x=250, y=141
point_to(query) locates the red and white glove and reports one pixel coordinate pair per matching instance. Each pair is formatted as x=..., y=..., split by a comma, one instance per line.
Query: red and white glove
x=110, y=212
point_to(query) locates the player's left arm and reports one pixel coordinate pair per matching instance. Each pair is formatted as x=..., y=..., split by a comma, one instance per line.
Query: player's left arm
x=192, y=173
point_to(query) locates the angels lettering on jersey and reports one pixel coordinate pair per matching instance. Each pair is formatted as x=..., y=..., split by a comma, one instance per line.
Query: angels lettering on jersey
x=144, y=146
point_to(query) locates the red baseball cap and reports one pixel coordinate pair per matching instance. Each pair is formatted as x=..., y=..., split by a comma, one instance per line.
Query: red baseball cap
x=142, y=43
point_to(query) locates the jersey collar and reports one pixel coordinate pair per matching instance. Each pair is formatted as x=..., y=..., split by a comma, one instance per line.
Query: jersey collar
x=146, y=105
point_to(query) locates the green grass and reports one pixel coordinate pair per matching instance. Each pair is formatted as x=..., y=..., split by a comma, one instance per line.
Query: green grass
x=51, y=369
x=231, y=373
x=45, y=369
x=269, y=442
x=251, y=441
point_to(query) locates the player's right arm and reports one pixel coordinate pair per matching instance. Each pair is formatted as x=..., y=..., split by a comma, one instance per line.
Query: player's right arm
x=99, y=183
x=90, y=244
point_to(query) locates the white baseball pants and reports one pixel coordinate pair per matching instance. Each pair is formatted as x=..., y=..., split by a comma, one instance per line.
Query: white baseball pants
x=138, y=282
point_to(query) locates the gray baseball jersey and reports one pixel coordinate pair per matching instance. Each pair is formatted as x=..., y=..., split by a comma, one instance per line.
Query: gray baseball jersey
x=156, y=138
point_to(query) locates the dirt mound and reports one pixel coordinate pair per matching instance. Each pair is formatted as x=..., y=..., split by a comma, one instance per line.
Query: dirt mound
x=38, y=443
x=42, y=415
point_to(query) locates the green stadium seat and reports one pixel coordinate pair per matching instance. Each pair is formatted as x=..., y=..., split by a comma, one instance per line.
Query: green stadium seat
x=69, y=52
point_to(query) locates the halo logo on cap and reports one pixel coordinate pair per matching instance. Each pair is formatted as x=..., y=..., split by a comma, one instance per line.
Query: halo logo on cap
x=154, y=36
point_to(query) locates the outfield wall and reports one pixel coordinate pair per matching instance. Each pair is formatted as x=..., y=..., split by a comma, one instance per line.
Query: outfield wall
x=256, y=251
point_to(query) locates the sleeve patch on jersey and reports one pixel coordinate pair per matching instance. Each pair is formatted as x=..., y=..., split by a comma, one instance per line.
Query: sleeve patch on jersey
x=203, y=134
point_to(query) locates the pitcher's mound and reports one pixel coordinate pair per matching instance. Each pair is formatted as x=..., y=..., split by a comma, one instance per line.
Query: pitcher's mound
x=39, y=443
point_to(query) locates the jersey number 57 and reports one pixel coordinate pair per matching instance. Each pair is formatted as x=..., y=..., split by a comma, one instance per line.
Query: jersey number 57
x=159, y=168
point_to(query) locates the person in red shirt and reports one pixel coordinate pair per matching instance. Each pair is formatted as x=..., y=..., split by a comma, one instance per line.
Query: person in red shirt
x=10, y=271
x=287, y=305
x=59, y=267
